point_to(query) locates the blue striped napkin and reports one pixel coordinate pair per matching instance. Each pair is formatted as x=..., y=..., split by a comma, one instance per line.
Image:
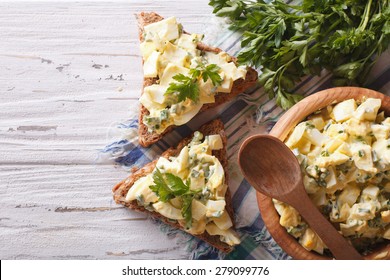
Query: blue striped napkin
x=250, y=113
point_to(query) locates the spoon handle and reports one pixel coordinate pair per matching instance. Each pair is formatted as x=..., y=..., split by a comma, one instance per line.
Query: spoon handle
x=336, y=243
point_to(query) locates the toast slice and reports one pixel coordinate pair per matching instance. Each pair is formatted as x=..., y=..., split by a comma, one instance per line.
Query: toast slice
x=120, y=190
x=147, y=138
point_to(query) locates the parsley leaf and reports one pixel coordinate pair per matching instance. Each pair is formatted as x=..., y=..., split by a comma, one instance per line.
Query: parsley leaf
x=176, y=184
x=161, y=188
x=168, y=186
x=207, y=72
x=188, y=86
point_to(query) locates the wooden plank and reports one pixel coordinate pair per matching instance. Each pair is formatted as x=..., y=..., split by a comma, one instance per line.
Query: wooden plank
x=68, y=212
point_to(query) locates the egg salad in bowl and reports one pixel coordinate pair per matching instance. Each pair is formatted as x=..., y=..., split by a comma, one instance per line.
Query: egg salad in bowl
x=344, y=154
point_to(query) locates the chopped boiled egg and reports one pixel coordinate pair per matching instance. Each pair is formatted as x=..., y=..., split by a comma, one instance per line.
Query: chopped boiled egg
x=140, y=191
x=344, y=110
x=168, y=210
x=166, y=29
x=151, y=65
x=228, y=236
x=368, y=110
x=215, y=208
x=214, y=141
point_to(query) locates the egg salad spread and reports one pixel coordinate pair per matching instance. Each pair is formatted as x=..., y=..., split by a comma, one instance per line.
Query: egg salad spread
x=189, y=189
x=186, y=78
x=344, y=154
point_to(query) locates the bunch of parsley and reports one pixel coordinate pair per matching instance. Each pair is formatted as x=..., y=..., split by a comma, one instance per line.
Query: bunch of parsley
x=290, y=41
x=168, y=186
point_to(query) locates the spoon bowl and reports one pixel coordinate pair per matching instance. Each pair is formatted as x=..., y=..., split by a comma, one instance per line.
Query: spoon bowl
x=272, y=169
x=277, y=162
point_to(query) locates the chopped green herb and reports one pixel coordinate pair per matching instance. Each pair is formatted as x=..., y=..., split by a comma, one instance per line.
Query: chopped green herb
x=367, y=177
x=140, y=199
x=325, y=153
x=321, y=182
x=194, y=174
x=360, y=138
x=363, y=210
x=361, y=153
x=375, y=223
x=309, y=125
x=164, y=114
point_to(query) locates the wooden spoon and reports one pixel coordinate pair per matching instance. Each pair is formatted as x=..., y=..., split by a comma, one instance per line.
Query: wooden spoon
x=272, y=169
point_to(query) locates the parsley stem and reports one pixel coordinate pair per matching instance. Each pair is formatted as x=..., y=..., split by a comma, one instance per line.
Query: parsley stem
x=374, y=50
x=366, y=16
x=331, y=28
x=283, y=68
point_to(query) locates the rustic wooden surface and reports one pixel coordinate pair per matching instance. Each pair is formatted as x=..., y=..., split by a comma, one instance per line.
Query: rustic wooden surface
x=67, y=72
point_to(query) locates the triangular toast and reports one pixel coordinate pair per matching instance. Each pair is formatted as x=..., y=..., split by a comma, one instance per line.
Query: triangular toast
x=147, y=138
x=120, y=190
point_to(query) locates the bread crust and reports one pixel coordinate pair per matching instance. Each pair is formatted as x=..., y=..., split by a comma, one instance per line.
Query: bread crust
x=121, y=189
x=146, y=138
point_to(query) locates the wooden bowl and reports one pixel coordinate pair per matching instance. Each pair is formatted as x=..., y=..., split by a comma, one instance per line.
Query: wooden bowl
x=281, y=129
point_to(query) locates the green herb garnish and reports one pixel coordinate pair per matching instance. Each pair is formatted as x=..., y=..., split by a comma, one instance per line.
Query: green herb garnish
x=161, y=188
x=290, y=41
x=207, y=72
x=186, y=209
x=188, y=86
x=167, y=186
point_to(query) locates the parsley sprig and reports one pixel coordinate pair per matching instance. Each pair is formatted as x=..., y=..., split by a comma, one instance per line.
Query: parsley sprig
x=291, y=41
x=168, y=186
x=207, y=72
x=185, y=87
x=188, y=86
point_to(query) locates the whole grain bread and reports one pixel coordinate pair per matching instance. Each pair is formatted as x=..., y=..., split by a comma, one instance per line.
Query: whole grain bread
x=147, y=138
x=121, y=189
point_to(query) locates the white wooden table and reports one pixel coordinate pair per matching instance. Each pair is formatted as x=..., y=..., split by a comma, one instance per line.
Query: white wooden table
x=67, y=72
